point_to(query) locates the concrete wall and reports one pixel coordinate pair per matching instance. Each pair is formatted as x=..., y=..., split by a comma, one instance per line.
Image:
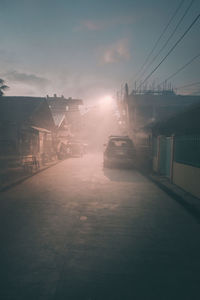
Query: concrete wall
x=187, y=177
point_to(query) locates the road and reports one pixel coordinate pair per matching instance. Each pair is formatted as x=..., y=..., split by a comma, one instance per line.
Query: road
x=77, y=231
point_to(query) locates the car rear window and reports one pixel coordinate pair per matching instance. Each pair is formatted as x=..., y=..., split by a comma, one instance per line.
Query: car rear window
x=121, y=143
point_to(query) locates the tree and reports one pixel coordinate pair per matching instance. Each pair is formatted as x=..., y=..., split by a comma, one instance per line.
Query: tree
x=3, y=87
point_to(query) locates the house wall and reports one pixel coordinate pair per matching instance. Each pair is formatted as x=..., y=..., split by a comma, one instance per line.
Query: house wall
x=8, y=138
x=187, y=177
x=185, y=171
x=29, y=141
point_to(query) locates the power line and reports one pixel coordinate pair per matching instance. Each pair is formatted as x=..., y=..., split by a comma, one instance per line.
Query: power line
x=169, y=38
x=158, y=40
x=171, y=50
x=180, y=69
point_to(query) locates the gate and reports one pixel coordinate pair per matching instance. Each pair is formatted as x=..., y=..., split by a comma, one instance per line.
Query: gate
x=165, y=156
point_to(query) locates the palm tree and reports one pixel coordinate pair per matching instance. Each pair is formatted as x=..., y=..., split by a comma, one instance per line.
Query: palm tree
x=3, y=87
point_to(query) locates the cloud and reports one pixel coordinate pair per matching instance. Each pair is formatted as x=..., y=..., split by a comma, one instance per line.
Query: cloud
x=116, y=52
x=28, y=79
x=96, y=25
x=92, y=25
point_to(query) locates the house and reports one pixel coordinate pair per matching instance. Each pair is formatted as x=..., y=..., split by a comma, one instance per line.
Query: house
x=26, y=128
x=139, y=110
x=70, y=108
x=62, y=130
x=176, y=149
x=145, y=108
x=62, y=125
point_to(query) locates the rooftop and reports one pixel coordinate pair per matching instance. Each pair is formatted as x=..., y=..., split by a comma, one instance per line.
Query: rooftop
x=21, y=109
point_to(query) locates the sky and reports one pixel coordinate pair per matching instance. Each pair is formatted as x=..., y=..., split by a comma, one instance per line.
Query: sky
x=89, y=49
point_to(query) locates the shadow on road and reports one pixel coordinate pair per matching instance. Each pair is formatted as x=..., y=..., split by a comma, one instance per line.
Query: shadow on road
x=122, y=175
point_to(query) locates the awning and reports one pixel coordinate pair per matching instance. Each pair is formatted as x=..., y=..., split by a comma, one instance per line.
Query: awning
x=40, y=129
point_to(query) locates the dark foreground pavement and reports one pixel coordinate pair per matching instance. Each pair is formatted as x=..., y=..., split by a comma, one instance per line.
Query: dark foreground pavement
x=77, y=231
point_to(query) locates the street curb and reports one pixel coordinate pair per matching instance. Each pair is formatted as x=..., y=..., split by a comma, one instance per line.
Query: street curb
x=16, y=182
x=190, y=208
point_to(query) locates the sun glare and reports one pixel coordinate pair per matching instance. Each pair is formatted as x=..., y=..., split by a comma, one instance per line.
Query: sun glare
x=106, y=102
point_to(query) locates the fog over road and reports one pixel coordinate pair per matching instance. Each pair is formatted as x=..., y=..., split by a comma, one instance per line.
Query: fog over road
x=77, y=231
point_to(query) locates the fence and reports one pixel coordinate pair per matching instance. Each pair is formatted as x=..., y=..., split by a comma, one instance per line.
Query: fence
x=165, y=156
x=155, y=146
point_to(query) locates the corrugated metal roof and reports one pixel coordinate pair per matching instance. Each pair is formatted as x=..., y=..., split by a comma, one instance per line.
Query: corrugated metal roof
x=64, y=101
x=162, y=100
x=34, y=110
x=18, y=109
x=186, y=122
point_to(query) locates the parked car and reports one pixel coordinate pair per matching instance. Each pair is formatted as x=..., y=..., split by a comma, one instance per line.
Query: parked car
x=76, y=149
x=119, y=152
x=63, y=151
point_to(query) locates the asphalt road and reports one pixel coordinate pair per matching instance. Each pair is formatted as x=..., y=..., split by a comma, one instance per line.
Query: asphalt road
x=77, y=231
